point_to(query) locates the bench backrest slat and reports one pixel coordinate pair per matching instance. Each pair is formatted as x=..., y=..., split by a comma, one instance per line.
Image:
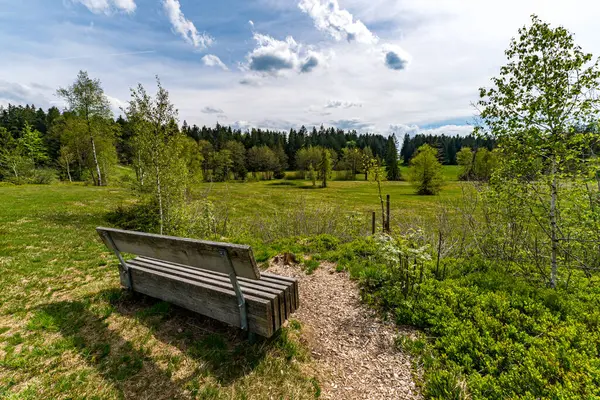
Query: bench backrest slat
x=195, y=253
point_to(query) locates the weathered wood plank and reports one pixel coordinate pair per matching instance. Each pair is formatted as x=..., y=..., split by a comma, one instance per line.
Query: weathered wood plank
x=274, y=286
x=195, y=253
x=284, y=292
x=289, y=282
x=278, y=307
x=212, y=301
x=287, y=290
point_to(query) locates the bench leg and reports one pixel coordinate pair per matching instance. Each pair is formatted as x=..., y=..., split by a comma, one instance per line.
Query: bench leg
x=238, y=292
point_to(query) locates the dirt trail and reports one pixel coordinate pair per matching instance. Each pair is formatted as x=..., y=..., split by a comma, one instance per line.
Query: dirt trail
x=353, y=350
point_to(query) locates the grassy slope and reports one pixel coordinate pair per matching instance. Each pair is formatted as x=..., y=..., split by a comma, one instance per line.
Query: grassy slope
x=65, y=331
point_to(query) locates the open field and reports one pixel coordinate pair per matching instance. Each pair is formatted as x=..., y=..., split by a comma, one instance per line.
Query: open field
x=68, y=331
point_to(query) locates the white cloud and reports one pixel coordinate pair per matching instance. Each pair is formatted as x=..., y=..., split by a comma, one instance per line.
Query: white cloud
x=449, y=130
x=251, y=23
x=341, y=25
x=338, y=23
x=212, y=110
x=107, y=6
x=456, y=46
x=184, y=26
x=125, y=5
x=211, y=60
x=274, y=57
x=341, y=104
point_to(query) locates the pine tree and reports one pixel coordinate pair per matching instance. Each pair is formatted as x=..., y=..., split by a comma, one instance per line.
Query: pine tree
x=391, y=159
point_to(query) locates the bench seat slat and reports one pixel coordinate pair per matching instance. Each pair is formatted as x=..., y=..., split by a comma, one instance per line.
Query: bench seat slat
x=212, y=301
x=219, y=281
x=270, y=285
x=289, y=282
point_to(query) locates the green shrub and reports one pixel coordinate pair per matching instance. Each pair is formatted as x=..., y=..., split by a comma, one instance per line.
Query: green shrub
x=310, y=266
x=44, y=176
x=487, y=334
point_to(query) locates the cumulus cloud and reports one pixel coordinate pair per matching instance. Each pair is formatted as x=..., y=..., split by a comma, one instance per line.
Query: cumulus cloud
x=448, y=130
x=272, y=56
x=340, y=24
x=395, y=58
x=211, y=60
x=336, y=22
x=309, y=64
x=183, y=26
x=341, y=104
x=212, y=110
x=107, y=6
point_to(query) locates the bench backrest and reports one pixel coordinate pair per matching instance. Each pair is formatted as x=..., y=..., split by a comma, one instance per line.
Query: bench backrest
x=200, y=254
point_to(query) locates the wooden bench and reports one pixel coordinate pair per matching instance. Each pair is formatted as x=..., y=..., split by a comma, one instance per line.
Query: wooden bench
x=219, y=280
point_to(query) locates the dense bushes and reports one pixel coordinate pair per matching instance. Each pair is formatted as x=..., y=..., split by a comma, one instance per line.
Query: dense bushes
x=488, y=335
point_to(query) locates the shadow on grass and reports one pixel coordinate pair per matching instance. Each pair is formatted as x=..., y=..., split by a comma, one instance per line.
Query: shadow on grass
x=311, y=187
x=283, y=183
x=222, y=352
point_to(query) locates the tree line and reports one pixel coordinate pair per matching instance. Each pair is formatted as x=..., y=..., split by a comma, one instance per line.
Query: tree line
x=84, y=142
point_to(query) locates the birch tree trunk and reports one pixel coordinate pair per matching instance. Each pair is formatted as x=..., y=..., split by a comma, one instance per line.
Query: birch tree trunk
x=96, y=161
x=159, y=193
x=69, y=173
x=553, y=225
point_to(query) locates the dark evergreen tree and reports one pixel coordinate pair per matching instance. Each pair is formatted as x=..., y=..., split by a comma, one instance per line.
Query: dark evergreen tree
x=391, y=159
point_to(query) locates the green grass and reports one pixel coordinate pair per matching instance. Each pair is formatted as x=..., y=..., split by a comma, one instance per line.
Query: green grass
x=264, y=197
x=68, y=331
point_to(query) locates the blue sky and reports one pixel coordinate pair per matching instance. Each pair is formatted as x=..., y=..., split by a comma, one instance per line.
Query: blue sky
x=402, y=66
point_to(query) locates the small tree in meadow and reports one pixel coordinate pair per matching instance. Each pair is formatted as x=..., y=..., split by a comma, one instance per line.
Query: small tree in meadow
x=425, y=171
x=325, y=167
x=160, y=147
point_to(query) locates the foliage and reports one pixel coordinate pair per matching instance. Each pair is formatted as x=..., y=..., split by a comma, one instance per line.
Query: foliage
x=540, y=109
x=476, y=165
x=87, y=101
x=486, y=333
x=162, y=170
x=263, y=159
x=391, y=160
x=447, y=146
x=325, y=166
x=425, y=172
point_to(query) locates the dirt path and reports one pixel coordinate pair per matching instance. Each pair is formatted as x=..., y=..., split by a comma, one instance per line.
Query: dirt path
x=353, y=350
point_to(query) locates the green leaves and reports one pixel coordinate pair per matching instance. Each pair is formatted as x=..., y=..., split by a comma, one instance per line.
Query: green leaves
x=425, y=172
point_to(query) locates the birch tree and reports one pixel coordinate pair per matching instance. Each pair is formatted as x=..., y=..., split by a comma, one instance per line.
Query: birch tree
x=158, y=145
x=86, y=99
x=536, y=108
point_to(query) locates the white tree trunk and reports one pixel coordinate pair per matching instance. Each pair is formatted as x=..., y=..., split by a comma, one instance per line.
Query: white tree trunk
x=96, y=161
x=159, y=193
x=69, y=173
x=553, y=226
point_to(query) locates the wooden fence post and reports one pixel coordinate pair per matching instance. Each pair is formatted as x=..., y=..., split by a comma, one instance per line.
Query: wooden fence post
x=373, y=223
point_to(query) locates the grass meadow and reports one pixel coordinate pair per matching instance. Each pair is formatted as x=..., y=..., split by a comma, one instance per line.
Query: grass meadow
x=68, y=331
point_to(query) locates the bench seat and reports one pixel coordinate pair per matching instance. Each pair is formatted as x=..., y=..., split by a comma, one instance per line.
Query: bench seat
x=193, y=274
x=278, y=292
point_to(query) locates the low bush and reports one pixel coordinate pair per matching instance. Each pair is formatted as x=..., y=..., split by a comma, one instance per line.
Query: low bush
x=44, y=176
x=486, y=333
